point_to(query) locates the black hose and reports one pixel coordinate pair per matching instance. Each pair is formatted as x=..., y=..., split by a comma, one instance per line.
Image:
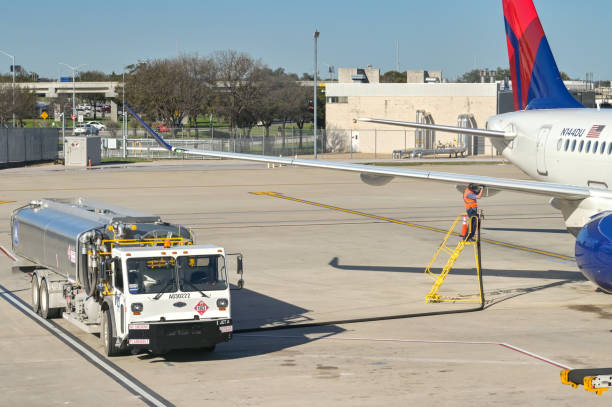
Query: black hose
x=357, y=320
x=386, y=317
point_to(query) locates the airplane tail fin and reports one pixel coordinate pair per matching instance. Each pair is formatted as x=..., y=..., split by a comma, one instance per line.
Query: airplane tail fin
x=536, y=81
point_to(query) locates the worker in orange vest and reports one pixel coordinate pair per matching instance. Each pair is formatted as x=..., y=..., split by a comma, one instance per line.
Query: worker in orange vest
x=470, y=196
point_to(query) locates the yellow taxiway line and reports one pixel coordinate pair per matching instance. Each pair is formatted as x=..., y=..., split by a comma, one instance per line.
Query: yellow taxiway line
x=415, y=225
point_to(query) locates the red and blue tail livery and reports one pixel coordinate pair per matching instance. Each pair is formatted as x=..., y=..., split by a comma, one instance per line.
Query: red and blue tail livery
x=536, y=81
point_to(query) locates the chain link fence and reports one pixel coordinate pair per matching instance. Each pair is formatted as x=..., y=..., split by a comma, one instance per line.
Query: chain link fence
x=369, y=143
x=289, y=143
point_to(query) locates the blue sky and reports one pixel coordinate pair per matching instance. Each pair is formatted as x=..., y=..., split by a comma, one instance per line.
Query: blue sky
x=455, y=36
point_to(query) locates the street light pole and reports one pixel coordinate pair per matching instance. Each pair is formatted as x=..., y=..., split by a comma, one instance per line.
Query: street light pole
x=74, y=69
x=12, y=69
x=124, y=121
x=316, y=37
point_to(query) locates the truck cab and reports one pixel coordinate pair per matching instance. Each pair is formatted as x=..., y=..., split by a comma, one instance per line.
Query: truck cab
x=170, y=298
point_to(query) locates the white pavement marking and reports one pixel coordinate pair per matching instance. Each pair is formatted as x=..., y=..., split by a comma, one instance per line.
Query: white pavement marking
x=7, y=253
x=502, y=344
x=94, y=358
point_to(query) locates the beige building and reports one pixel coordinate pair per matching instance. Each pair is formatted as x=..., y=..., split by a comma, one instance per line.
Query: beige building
x=423, y=76
x=358, y=75
x=439, y=103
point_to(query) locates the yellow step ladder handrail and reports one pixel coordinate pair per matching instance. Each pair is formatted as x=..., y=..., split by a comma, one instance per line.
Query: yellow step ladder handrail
x=433, y=295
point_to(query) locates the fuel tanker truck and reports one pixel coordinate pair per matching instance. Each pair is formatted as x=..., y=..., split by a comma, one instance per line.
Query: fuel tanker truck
x=140, y=282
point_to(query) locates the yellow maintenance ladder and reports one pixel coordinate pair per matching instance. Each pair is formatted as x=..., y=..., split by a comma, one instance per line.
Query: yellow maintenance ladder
x=454, y=253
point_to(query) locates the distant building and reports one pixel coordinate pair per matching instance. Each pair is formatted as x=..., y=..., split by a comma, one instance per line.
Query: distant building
x=440, y=103
x=359, y=75
x=424, y=76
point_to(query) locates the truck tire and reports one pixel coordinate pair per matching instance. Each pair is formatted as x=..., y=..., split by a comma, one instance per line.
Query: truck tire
x=45, y=311
x=106, y=335
x=35, y=294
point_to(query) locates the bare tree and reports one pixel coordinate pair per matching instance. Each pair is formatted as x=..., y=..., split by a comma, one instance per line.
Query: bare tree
x=269, y=84
x=237, y=82
x=169, y=90
x=198, y=76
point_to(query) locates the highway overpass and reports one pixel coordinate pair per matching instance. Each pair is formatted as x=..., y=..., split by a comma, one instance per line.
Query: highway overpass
x=53, y=89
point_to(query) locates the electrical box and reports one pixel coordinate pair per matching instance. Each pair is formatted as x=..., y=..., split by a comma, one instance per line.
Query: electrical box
x=82, y=151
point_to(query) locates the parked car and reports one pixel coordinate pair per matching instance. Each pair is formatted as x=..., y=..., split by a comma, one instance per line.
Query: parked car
x=163, y=127
x=85, y=130
x=97, y=125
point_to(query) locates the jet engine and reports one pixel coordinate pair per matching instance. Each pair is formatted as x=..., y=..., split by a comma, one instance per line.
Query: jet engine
x=594, y=250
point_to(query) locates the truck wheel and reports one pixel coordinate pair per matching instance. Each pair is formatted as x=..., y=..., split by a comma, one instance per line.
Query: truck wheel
x=35, y=295
x=45, y=311
x=209, y=348
x=106, y=334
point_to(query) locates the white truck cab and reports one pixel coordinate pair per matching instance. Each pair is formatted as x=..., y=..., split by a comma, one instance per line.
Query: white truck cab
x=177, y=297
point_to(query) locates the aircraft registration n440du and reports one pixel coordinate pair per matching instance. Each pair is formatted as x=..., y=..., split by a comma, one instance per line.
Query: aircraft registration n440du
x=565, y=147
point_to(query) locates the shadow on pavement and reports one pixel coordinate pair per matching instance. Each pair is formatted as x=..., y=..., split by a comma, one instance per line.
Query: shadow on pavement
x=561, y=231
x=543, y=274
x=251, y=309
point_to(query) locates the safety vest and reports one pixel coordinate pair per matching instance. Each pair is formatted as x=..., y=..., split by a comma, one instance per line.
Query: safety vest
x=469, y=202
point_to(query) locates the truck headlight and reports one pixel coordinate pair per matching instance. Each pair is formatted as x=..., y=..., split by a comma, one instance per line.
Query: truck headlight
x=137, y=308
x=222, y=303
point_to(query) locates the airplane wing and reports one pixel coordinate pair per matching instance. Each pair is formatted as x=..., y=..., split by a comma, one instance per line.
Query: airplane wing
x=379, y=175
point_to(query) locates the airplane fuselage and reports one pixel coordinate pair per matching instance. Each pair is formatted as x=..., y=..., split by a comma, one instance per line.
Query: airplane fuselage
x=566, y=146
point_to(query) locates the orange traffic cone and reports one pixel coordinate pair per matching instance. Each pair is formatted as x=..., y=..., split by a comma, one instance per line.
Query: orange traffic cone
x=464, y=227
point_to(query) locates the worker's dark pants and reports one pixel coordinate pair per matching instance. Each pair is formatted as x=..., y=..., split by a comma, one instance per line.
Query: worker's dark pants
x=472, y=214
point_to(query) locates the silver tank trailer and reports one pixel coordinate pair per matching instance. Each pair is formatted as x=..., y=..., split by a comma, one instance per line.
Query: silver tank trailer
x=58, y=233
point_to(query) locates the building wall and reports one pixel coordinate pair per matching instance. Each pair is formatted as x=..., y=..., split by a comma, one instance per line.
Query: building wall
x=445, y=101
x=345, y=75
x=421, y=76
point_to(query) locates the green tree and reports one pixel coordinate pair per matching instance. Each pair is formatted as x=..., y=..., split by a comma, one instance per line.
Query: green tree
x=472, y=76
x=502, y=73
x=24, y=106
x=302, y=108
x=93, y=76
x=393, y=77
x=307, y=77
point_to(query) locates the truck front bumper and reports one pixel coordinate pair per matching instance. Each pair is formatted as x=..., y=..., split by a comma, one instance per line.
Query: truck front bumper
x=164, y=336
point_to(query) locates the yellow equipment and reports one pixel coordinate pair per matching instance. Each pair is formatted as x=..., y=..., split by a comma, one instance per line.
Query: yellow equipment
x=594, y=380
x=454, y=253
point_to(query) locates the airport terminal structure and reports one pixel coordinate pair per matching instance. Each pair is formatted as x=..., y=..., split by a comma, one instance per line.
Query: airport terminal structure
x=425, y=98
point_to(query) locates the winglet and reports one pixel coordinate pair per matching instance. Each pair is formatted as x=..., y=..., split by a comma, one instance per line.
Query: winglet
x=152, y=132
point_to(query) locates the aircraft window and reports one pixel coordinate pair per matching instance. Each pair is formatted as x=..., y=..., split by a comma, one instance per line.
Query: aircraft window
x=573, y=145
x=610, y=148
x=603, y=148
x=559, y=144
x=595, y=147
x=588, y=146
x=581, y=145
x=566, y=144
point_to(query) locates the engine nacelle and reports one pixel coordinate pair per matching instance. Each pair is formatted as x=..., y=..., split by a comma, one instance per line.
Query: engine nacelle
x=375, y=179
x=594, y=250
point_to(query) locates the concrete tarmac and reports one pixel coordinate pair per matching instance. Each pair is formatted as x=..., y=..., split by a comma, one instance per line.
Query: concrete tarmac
x=315, y=263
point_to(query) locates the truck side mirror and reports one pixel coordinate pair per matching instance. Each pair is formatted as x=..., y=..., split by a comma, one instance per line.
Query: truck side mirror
x=239, y=269
x=239, y=264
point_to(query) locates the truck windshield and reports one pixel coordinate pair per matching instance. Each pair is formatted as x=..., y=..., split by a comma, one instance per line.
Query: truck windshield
x=203, y=273
x=148, y=275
